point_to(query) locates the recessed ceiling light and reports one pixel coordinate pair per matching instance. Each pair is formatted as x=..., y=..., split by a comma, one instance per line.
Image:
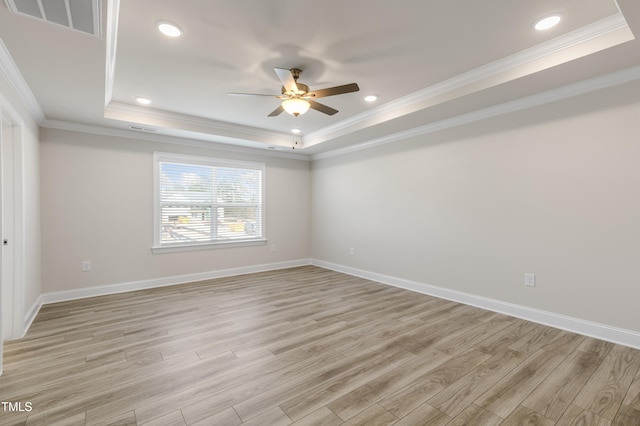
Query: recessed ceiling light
x=143, y=101
x=169, y=29
x=547, y=22
x=296, y=131
x=371, y=98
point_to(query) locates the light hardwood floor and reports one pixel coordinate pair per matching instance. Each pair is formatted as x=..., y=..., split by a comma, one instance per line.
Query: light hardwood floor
x=308, y=346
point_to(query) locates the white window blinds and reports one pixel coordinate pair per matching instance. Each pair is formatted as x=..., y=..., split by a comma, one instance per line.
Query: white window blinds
x=202, y=200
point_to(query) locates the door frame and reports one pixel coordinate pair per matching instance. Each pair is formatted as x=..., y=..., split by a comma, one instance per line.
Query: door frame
x=10, y=118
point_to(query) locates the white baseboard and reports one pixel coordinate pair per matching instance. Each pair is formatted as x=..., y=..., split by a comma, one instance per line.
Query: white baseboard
x=31, y=315
x=28, y=318
x=587, y=328
x=62, y=296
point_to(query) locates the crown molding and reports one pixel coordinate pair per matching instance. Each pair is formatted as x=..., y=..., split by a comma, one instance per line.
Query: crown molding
x=214, y=144
x=151, y=116
x=174, y=127
x=9, y=68
x=568, y=91
x=198, y=128
x=430, y=95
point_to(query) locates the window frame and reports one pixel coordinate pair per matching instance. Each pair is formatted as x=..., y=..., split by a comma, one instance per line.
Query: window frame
x=200, y=160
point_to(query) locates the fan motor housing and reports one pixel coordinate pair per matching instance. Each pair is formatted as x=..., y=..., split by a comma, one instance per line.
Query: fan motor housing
x=302, y=87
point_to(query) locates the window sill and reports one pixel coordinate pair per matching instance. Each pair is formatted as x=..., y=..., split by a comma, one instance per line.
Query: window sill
x=207, y=246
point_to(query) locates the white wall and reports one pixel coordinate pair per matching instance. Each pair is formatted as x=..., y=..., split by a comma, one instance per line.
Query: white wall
x=552, y=190
x=97, y=205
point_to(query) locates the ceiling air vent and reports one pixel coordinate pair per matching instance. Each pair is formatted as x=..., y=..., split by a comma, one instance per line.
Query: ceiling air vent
x=142, y=129
x=79, y=15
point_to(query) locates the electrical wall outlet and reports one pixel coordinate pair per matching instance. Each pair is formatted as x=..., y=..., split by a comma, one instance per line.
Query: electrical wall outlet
x=352, y=251
x=86, y=265
x=530, y=280
x=272, y=247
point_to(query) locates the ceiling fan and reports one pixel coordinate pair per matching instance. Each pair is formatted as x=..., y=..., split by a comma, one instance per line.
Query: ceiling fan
x=297, y=99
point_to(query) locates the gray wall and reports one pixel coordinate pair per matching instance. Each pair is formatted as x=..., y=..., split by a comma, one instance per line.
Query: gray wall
x=551, y=190
x=97, y=204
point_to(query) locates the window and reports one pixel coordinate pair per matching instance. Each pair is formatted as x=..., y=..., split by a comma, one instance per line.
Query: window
x=202, y=201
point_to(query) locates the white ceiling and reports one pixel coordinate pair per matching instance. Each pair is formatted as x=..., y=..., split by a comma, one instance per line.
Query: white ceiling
x=427, y=61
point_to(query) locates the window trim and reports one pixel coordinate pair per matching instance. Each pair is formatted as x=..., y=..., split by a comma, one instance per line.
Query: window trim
x=158, y=246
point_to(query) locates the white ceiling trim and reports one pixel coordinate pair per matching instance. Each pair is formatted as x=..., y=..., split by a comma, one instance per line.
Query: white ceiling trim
x=575, y=89
x=571, y=90
x=428, y=96
x=11, y=71
x=469, y=82
x=168, y=139
x=164, y=119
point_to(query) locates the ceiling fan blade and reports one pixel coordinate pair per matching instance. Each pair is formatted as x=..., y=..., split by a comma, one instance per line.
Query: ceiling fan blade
x=287, y=80
x=321, y=107
x=337, y=90
x=276, y=111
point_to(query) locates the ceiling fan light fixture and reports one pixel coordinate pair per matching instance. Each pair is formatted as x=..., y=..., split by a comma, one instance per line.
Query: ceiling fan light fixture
x=295, y=106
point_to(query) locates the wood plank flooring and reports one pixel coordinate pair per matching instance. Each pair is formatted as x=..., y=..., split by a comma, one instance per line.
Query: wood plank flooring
x=307, y=346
